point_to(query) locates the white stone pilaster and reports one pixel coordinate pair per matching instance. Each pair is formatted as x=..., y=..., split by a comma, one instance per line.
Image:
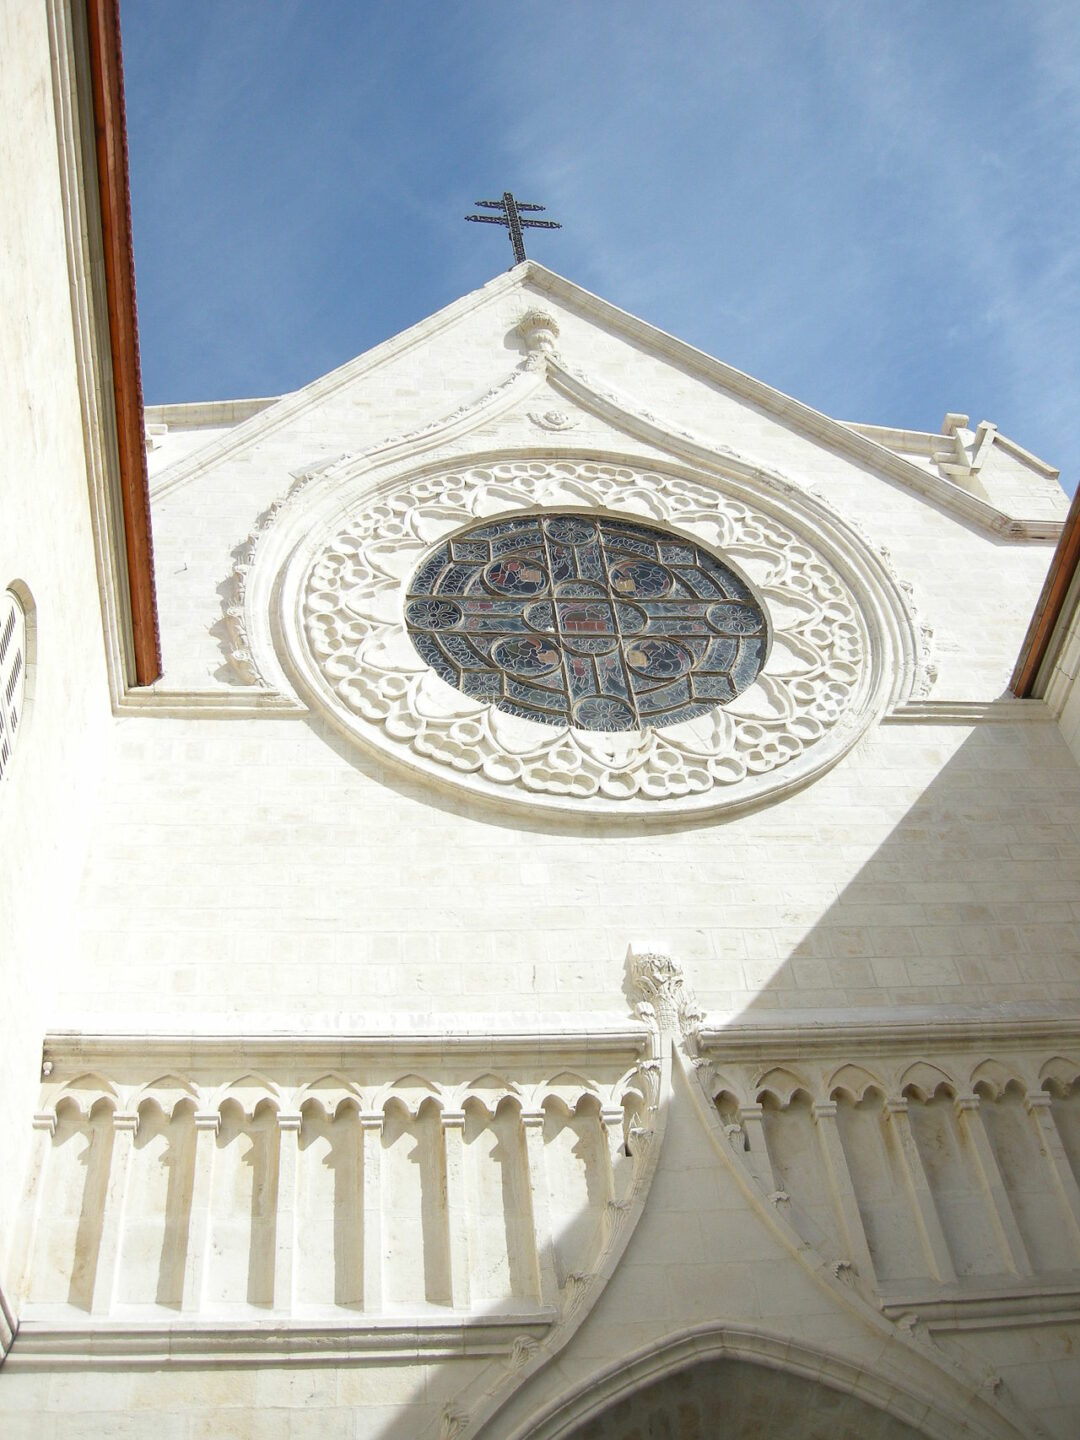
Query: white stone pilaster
x=617, y=1168
x=752, y=1120
x=1003, y=1218
x=371, y=1128
x=613, y=1146
x=125, y=1129
x=547, y=1284
x=457, y=1214
x=24, y=1233
x=1040, y=1108
x=207, y=1125
x=285, y=1220
x=927, y=1220
x=843, y=1188
x=8, y=1325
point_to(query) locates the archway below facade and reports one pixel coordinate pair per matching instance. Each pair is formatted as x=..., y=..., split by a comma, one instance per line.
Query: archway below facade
x=722, y=1399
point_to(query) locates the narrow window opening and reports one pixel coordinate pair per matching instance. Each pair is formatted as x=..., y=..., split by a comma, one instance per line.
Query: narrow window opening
x=12, y=674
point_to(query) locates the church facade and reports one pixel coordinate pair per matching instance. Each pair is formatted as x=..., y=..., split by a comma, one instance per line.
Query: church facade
x=581, y=937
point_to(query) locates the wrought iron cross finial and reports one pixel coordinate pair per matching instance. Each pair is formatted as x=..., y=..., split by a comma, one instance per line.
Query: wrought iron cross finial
x=511, y=218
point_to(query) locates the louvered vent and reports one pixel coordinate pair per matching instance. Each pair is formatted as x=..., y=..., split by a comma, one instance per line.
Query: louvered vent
x=12, y=675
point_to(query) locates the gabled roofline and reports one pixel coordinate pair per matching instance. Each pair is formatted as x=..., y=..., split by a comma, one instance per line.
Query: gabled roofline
x=190, y=415
x=281, y=411
x=930, y=445
x=835, y=433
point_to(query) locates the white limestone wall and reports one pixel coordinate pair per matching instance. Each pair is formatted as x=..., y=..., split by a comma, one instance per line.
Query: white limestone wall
x=46, y=546
x=243, y=871
x=262, y=875
x=292, y=1401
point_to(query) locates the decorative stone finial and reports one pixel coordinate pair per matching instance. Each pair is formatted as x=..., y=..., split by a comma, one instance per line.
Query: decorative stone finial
x=540, y=331
x=660, y=994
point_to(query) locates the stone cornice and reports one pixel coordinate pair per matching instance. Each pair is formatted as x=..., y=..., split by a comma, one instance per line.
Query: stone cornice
x=1003, y=711
x=887, y=1033
x=252, y=703
x=247, y=704
x=134, y=1344
x=70, y=1050
x=992, y=1307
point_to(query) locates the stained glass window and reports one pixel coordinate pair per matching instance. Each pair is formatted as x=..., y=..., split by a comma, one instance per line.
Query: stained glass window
x=600, y=624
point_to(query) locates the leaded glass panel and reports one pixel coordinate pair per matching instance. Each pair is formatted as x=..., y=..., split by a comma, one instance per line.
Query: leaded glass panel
x=600, y=624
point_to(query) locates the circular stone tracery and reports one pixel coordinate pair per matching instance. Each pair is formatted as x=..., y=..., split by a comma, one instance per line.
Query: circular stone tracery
x=327, y=593
x=600, y=624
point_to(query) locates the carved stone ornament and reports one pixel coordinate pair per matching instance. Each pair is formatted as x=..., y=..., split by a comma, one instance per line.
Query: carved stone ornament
x=540, y=332
x=661, y=995
x=842, y=645
x=553, y=419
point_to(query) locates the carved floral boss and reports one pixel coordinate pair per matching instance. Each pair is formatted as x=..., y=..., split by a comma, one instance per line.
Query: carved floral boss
x=442, y=622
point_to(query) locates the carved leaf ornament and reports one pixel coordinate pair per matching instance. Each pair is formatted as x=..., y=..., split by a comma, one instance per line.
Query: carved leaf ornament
x=839, y=639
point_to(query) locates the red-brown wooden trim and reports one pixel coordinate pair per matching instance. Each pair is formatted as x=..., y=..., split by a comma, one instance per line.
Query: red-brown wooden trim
x=1058, y=579
x=107, y=78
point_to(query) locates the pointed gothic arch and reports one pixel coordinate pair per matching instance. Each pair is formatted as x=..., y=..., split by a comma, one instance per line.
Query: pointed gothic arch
x=730, y=1375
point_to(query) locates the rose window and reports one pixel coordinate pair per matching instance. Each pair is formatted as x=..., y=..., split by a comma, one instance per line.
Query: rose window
x=599, y=624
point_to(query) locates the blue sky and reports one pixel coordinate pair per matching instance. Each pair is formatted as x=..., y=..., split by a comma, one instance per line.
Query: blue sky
x=873, y=207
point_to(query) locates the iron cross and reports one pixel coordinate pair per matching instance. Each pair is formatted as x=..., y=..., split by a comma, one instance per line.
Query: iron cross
x=511, y=218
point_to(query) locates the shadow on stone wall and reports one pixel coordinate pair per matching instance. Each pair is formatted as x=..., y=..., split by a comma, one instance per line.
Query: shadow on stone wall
x=971, y=900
